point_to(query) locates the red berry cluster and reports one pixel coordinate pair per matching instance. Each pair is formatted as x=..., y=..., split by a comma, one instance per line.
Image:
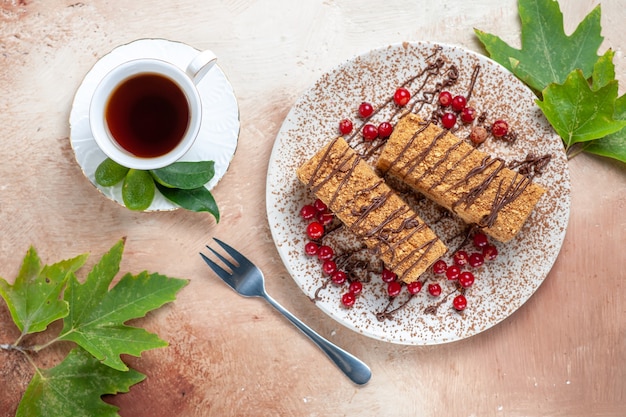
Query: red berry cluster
x=456, y=270
x=319, y=216
x=394, y=286
x=454, y=107
x=369, y=131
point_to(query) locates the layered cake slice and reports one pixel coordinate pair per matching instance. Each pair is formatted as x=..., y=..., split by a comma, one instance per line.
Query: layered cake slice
x=371, y=210
x=480, y=189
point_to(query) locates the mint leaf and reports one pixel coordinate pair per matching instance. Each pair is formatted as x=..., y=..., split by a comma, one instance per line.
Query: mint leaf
x=199, y=199
x=97, y=315
x=577, y=112
x=547, y=55
x=185, y=175
x=34, y=298
x=75, y=387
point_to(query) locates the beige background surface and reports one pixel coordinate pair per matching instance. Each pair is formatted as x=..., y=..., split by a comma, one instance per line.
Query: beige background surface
x=562, y=354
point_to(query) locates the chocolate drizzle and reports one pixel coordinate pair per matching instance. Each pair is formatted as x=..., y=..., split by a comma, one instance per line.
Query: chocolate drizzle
x=532, y=165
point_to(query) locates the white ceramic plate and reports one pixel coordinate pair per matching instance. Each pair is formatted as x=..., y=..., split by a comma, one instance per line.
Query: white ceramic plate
x=219, y=132
x=502, y=285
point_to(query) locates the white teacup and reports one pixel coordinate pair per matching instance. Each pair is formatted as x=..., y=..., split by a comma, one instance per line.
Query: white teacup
x=146, y=113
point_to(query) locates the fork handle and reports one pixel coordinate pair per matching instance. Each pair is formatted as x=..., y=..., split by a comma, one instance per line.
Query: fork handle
x=353, y=367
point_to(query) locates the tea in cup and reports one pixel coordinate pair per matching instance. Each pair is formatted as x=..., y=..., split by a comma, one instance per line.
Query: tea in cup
x=146, y=113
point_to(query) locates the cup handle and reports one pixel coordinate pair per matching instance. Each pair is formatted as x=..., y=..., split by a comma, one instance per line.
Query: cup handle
x=200, y=65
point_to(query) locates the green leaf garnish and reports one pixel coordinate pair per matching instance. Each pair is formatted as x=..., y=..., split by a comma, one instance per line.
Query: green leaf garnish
x=138, y=190
x=182, y=183
x=198, y=199
x=547, y=55
x=110, y=173
x=75, y=387
x=185, y=175
x=577, y=89
x=96, y=321
x=33, y=299
x=611, y=146
x=578, y=113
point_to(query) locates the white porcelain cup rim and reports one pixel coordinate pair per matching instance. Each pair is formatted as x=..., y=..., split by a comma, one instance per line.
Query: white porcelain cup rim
x=186, y=80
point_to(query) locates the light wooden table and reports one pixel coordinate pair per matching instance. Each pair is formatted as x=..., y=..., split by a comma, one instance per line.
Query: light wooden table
x=563, y=353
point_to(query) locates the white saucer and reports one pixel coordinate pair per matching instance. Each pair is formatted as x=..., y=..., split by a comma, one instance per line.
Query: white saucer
x=219, y=132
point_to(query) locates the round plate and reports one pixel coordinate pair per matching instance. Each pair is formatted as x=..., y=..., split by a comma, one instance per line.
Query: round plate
x=502, y=285
x=219, y=132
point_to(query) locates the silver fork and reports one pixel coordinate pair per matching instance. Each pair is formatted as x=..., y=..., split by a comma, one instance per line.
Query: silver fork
x=247, y=279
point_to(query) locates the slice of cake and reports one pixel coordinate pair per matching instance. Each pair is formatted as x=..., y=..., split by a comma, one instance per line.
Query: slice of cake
x=371, y=210
x=451, y=172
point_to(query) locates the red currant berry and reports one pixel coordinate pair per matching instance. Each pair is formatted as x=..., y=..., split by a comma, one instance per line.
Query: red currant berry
x=466, y=279
x=307, y=212
x=394, y=288
x=490, y=252
x=468, y=114
x=315, y=230
x=461, y=258
x=320, y=205
x=311, y=248
x=384, y=130
x=329, y=267
x=434, y=290
x=414, y=287
x=476, y=260
x=345, y=126
x=365, y=110
x=370, y=132
x=348, y=299
x=445, y=98
x=458, y=103
x=453, y=272
x=402, y=96
x=325, y=217
x=480, y=240
x=448, y=120
x=499, y=128
x=388, y=275
x=440, y=267
x=339, y=277
x=325, y=253
x=356, y=287
x=459, y=302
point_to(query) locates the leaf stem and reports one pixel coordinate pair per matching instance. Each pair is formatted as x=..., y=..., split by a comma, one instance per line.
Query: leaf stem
x=573, y=151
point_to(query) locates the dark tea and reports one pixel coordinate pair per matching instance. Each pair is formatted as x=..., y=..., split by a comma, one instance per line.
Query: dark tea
x=147, y=115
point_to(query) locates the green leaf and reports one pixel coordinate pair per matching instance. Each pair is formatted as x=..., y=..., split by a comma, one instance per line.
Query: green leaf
x=110, y=173
x=138, y=190
x=547, y=55
x=199, y=199
x=97, y=314
x=577, y=112
x=614, y=145
x=74, y=388
x=34, y=298
x=603, y=71
x=185, y=175
x=611, y=146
